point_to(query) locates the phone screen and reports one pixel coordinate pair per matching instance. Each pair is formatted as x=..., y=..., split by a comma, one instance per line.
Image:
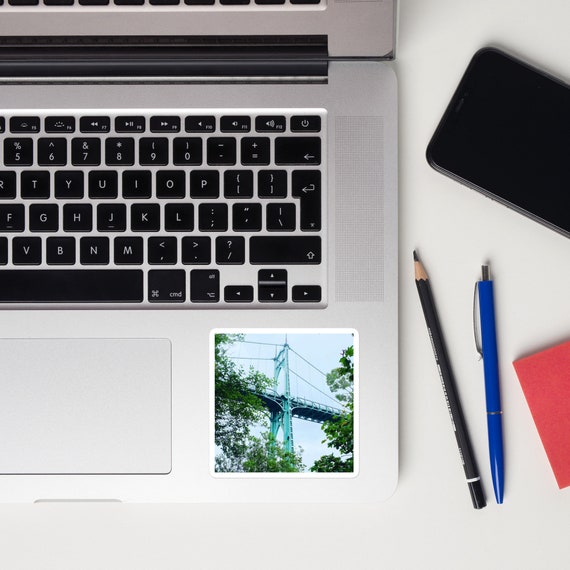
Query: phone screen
x=506, y=133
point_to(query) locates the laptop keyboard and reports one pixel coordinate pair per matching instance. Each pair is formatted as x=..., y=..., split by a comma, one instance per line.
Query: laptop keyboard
x=169, y=208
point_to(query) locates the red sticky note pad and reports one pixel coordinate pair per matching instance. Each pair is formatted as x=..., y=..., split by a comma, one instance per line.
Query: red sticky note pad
x=545, y=380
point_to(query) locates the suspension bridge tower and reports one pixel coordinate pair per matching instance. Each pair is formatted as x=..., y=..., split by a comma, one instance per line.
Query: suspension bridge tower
x=282, y=417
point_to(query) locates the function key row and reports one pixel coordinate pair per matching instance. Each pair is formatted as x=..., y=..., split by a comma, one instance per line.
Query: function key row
x=163, y=124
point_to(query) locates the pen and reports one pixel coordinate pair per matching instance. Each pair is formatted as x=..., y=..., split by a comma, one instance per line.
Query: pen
x=448, y=383
x=491, y=369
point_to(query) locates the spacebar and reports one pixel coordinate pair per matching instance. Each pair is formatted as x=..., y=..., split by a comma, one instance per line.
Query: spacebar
x=71, y=286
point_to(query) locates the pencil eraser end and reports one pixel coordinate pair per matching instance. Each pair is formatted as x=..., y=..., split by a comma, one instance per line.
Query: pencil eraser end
x=477, y=495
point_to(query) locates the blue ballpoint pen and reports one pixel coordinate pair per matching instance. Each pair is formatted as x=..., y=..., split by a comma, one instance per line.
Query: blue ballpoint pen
x=491, y=369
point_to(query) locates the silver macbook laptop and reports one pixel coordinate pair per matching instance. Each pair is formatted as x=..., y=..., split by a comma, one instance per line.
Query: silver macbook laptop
x=198, y=251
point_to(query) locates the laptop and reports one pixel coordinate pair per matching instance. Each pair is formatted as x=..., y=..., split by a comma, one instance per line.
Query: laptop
x=198, y=250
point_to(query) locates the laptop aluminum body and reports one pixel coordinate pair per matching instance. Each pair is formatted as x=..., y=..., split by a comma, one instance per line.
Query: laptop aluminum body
x=156, y=366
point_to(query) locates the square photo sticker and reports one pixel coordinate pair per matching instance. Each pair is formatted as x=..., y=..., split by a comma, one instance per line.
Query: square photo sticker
x=284, y=402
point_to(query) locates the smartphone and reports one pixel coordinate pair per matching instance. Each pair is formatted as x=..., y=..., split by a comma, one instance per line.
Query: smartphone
x=506, y=133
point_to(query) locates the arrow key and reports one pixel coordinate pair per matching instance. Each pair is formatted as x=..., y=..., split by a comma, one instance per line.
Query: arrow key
x=307, y=293
x=238, y=294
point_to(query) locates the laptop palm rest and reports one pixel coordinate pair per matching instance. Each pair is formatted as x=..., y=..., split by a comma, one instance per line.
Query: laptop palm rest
x=85, y=406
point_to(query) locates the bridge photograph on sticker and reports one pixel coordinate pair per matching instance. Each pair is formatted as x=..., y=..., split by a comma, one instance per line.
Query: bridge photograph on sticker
x=285, y=402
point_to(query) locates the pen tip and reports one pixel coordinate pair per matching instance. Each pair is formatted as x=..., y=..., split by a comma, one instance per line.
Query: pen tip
x=416, y=255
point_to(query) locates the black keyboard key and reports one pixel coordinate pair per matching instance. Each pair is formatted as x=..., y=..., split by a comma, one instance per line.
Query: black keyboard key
x=238, y=294
x=271, y=277
x=305, y=123
x=130, y=124
x=233, y=2
x=200, y=123
x=35, y=184
x=306, y=185
x=94, y=124
x=238, y=184
x=246, y=217
x=153, y=151
x=86, y=152
x=94, y=250
x=12, y=217
x=18, y=152
x=60, y=251
x=272, y=184
x=234, y=124
x=3, y=250
x=213, y=217
x=165, y=124
x=221, y=151
x=128, y=250
x=230, y=250
x=129, y=2
x=171, y=184
x=23, y=2
x=272, y=285
x=59, y=124
x=281, y=217
x=204, y=285
x=69, y=184
x=162, y=250
x=93, y=2
x=71, y=286
x=167, y=285
x=26, y=251
x=145, y=217
x=119, y=152
x=204, y=184
x=7, y=185
x=187, y=151
x=285, y=249
x=77, y=217
x=2, y=119
x=298, y=150
x=103, y=184
x=255, y=151
x=44, y=218
x=25, y=124
x=270, y=124
x=196, y=250
x=307, y=294
x=111, y=217
x=179, y=217
x=52, y=152
x=137, y=184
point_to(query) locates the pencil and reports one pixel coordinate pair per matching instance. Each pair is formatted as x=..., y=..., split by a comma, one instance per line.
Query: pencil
x=449, y=387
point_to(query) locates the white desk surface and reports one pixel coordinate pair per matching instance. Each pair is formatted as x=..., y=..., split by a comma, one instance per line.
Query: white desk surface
x=429, y=522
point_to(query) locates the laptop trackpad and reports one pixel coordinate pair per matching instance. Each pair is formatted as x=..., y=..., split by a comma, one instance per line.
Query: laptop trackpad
x=85, y=406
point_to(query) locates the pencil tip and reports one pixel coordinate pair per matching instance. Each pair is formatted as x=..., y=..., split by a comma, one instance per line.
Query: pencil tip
x=416, y=255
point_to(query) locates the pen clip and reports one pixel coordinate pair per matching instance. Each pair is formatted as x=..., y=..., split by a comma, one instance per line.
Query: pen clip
x=476, y=322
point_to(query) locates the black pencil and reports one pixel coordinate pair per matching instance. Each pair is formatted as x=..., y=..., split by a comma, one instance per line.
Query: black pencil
x=449, y=388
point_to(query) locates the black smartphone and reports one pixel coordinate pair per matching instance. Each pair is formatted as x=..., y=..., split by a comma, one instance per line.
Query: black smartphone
x=506, y=133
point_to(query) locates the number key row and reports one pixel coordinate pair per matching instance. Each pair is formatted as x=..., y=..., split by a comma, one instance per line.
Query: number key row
x=120, y=151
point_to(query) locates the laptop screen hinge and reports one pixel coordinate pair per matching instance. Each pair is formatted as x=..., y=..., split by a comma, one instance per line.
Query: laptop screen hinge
x=162, y=58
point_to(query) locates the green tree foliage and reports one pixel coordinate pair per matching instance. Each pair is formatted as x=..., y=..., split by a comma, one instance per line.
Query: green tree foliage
x=267, y=455
x=339, y=432
x=237, y=409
